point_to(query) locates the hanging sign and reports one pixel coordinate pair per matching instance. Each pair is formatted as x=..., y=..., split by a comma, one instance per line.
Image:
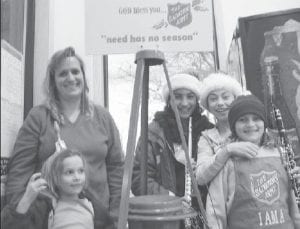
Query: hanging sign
x=118, y=26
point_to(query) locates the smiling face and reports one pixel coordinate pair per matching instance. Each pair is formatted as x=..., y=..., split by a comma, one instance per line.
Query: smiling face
x=72, y=179
x=186, y=102
x=69, y=79
x=250, y=127
x=219, y=102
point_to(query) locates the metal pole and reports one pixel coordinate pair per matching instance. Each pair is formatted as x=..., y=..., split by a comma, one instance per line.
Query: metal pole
x=126, y=185
x=105, y=80
x=215, y=37
x=185, y=148
x=144, y=129
x=153, y=58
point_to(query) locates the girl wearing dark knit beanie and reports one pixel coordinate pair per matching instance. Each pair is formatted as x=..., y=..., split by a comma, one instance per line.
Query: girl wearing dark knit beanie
x=255, y=192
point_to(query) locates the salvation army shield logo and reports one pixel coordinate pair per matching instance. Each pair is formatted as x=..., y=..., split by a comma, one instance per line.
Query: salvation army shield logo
x=179, y=14
x=265, y=186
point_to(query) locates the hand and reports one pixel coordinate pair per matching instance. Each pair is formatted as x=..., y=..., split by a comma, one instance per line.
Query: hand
x=242, y=149
x=237, y=149
x=35, y=185
x=186, y=201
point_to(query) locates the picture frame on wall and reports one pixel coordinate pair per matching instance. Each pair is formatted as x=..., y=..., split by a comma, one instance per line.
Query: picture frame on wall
x=270, y=47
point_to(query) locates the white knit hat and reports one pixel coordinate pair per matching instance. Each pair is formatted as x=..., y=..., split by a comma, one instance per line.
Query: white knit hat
x=217, y=81
x=185, y=81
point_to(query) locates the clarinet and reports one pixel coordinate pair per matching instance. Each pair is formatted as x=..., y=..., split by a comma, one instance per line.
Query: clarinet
x=188, y=179
x=288, y=154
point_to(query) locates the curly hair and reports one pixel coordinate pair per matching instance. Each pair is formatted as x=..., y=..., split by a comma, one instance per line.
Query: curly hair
x=217, y=81
x=53, y=101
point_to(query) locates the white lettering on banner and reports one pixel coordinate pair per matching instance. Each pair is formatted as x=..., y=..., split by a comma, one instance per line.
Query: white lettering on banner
x=272, y=217
x=118, y=26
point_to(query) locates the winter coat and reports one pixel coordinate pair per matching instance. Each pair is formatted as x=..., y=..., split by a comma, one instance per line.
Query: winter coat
x=164, y=172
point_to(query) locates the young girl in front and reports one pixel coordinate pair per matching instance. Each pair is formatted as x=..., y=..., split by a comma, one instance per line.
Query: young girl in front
x=252, y=193
x=64, y=203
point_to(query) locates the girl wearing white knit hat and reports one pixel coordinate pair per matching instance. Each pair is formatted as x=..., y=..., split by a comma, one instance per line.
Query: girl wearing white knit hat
x=166, y=159
x=218, y=92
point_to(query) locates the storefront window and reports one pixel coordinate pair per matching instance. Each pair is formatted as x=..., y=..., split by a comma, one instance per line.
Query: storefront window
x=12, y=22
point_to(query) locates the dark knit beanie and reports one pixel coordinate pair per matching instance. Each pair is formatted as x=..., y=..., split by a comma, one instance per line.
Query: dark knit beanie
x=242, y=105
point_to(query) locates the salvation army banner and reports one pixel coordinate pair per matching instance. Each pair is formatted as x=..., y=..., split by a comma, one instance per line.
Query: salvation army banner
x=119, y=26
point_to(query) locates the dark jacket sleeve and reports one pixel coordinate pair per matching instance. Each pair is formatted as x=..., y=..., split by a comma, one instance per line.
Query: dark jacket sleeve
x=154, y=185
x=22, y=163
x=35, y=218
x=10, y=219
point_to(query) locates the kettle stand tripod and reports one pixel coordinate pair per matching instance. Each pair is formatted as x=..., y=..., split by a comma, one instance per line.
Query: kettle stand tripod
x=145, y=59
